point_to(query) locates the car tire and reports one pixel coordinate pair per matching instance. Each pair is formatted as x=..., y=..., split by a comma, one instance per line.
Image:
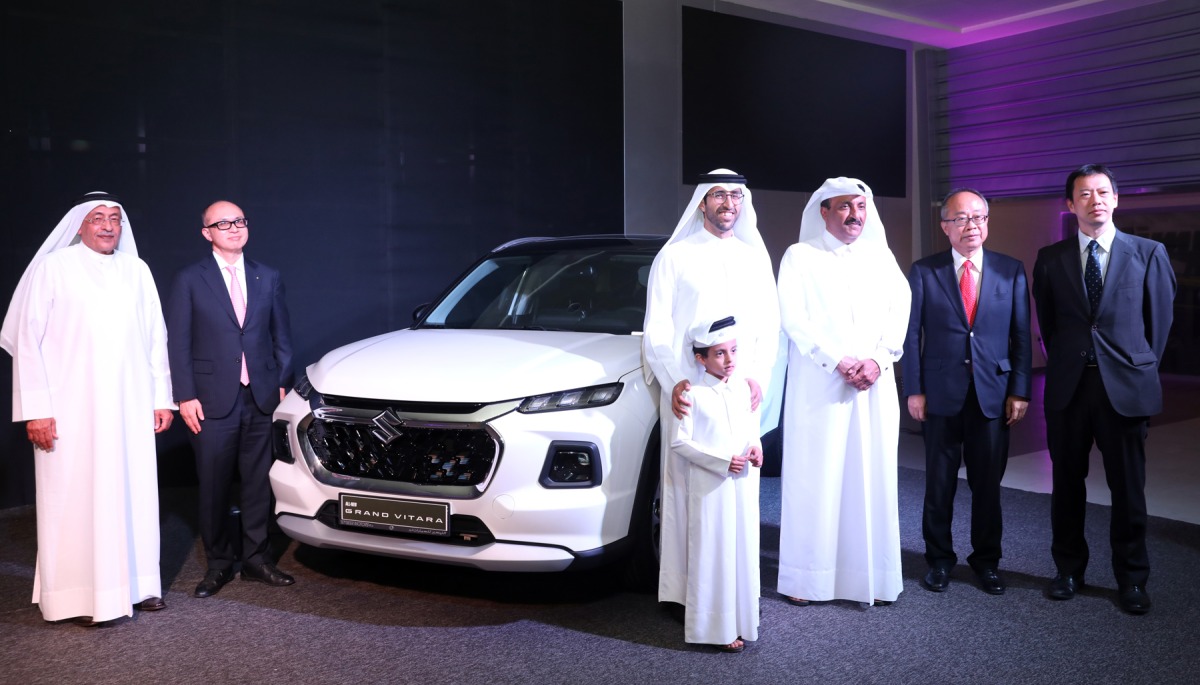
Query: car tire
x=645, y=521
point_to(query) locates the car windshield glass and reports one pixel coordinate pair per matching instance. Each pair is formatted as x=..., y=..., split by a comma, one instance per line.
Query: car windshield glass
x=598, y=290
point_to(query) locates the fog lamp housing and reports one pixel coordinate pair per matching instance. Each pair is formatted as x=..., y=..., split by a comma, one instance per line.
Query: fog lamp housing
x=571, y=464
x=281, y=448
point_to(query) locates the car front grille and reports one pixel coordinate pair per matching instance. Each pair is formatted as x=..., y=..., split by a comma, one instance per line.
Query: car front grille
x=439, y=454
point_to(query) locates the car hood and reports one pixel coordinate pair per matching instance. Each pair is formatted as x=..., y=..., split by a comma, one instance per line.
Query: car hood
x=442, y=365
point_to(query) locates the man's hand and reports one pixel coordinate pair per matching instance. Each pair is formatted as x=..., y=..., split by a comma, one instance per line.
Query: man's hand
x=916, y=407
x=737, y=463
x=192, y=414
x=844, y=366
x=754, y=455
x=1014, y=408
x=755, y=394
x=162, y=419
x=282, y=393
x=679, y=403
x=863, y=374
x=42, y=433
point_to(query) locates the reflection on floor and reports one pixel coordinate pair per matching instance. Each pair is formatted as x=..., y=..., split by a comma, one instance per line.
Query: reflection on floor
x=1172, y=453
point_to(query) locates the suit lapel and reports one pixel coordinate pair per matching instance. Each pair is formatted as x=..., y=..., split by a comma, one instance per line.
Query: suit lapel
x=211, y=274
x=948, y=280
x=1118, y=259
x=1071, y=266
x=992, y=278
x=254, y=296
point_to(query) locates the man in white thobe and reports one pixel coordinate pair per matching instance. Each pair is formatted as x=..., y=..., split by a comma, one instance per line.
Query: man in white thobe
x=90, y=378
x=715, y=259
x=719, y=441
x=844, y=304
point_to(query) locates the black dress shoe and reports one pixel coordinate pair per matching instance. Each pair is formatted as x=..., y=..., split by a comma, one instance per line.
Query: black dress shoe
x=1134, y=600
x=266, y=573
x=85, y=621
x=990, y=581
x=1064, y=587
x=937, y=580
x=213, y=581
x=151, y=604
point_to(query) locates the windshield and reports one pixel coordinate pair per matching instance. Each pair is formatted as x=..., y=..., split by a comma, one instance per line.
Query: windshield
x=597, y=290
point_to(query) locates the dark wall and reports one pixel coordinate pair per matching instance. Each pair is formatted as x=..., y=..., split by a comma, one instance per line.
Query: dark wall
x=378, y=147
x=789, y=108
x=1016, y=115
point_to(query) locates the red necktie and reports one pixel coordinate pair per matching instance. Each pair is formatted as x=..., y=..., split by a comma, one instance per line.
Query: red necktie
x=966, y=286
x=239, y=307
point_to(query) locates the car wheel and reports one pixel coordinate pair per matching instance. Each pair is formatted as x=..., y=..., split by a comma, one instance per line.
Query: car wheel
x=645, y=523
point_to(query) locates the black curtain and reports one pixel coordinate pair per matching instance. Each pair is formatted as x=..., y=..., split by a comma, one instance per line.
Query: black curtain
x=378, y=147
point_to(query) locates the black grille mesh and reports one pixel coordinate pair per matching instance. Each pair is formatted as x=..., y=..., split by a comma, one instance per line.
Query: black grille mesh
x=420, y=455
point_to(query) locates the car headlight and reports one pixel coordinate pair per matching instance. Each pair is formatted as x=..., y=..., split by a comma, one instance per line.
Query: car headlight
x=580, y=398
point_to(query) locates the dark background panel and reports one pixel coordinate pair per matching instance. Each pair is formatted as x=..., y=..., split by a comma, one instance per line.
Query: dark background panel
x=378, y=147
x=788, y=107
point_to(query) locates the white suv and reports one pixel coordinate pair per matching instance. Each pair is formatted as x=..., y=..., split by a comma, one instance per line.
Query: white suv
x=509, y=429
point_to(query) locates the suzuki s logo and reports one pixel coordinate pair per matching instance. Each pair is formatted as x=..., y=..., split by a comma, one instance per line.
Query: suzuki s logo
x=386, y=427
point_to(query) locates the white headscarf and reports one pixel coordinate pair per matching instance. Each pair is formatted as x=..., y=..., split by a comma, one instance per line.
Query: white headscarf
x=707, y=335
x=812, y=225
x=65, y=234
x=745, y=227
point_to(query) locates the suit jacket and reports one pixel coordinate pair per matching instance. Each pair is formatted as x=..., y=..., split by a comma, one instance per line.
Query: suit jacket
x=205, y=342
x=1129, y=329
x=942, y=354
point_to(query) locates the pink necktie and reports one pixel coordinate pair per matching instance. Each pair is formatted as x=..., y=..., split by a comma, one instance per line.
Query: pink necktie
x=966, y=286
x=239, y=307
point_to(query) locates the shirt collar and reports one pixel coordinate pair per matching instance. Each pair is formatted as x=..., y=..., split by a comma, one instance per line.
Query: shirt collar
x=832, y=244
x=100, y=257
x=711, y=381
x=976, y=260
x=240, y=264
x=1105, y=240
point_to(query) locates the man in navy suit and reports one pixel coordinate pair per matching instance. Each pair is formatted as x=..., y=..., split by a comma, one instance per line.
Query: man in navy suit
x=1104, y=306
x=231, y=360
x=966, y=367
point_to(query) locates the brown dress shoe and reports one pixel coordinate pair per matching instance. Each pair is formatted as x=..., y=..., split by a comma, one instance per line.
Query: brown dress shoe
x=151, y=604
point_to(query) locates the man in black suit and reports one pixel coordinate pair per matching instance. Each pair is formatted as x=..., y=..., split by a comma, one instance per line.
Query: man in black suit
x=231, y=363
x=1104, y=306
x=966, y=367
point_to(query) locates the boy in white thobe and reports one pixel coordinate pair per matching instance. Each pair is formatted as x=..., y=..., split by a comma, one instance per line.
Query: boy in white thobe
x=719, y=442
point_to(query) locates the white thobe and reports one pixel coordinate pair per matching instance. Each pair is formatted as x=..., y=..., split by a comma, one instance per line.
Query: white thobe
x=91, y=353
x=722, y=513
x=701, y=279
x=840, y=528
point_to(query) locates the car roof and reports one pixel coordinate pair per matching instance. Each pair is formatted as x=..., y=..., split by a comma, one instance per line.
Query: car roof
x=555, y=244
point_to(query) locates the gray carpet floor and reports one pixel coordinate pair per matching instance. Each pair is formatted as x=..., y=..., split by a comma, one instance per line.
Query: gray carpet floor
x=359, y=619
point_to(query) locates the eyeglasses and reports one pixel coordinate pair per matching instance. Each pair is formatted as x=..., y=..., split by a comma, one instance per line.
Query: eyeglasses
x=226, y=225
x=961, y=221
x=101, y=220
x=721, y=195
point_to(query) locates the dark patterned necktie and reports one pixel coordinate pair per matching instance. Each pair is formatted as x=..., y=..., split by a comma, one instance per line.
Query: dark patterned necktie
x=1091, y=277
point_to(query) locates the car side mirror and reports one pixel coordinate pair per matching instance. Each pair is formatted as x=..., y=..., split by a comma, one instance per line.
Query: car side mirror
x=420, y=311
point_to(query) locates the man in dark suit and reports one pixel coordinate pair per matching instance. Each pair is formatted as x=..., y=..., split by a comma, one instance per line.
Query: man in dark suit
x=231, y=363
x=1104, y=306
x=966, y=367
